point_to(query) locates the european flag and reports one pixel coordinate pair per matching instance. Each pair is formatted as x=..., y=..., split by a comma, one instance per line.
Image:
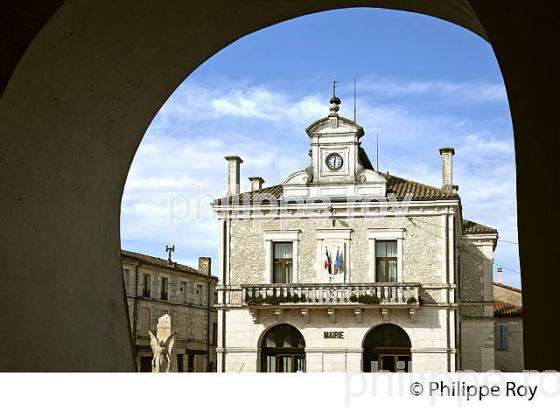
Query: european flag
x=338, y=261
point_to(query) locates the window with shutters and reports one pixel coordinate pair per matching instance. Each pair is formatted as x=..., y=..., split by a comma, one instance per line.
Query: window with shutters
x=199, y=294
x=145, y=321
x=184, y=289
x=146, y=290
x=164, y=289
x=501, y=337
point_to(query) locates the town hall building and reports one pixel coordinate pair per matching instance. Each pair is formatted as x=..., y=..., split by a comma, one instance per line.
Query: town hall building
x=343, y=268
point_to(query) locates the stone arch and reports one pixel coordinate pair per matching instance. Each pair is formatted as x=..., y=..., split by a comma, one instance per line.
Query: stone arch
x=69, y=131
x=386, y=346
x=282, y=349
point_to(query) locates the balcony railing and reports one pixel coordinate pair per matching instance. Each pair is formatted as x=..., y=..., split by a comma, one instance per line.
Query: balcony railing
x=332, y=293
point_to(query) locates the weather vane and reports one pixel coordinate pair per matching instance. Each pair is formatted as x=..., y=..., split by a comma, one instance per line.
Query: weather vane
x=334, y=81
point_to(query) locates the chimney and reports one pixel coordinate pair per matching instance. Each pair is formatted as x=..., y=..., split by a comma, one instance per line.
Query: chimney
x=234, y=166
x=256, y=183
x=447, y=170
x=205, y=265
x=500, y=275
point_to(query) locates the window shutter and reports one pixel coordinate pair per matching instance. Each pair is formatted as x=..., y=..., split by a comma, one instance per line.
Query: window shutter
x=501, y=336
x=504, y=337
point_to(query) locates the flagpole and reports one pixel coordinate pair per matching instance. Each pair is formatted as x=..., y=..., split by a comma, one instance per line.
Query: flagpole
x=377, y=153
x=354, y=99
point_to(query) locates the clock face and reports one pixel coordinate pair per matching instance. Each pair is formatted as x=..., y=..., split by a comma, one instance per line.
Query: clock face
x=334, y=161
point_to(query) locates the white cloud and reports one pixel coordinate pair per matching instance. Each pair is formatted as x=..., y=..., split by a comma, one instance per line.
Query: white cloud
x=464, y=92
x=491, y=146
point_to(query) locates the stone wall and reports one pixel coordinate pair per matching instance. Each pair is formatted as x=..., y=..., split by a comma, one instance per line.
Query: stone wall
x=188, y=311
x=511, y=359
x=476, y=304
x=427, y=334
x=424, y=248
x=475, y=273
x=477, y=344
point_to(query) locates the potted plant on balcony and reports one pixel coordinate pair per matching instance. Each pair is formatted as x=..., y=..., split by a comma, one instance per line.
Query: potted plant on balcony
x=365, y=299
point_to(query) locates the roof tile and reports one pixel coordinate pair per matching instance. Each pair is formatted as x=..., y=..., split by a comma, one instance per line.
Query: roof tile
x=400, y=187
x=473, y=228
x=164, y=263
x=502, y=308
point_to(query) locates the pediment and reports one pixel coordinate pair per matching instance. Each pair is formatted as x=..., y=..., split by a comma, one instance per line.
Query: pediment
x=371, y=176
x=324, y=126
x=297, y=178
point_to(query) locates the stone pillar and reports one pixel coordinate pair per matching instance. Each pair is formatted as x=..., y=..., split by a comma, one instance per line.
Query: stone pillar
x=400, y=260
x=295, y=261
x=268, y=261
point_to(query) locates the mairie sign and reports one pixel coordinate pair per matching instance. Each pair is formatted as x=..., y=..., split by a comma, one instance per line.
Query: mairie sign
x=333, y=335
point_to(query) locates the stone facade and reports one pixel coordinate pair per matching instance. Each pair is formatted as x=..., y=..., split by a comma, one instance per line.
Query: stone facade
x=438, y=300
x=155, y=287
x=477, y=302
x=423, y=253
x=338, y=355
x=508, y=317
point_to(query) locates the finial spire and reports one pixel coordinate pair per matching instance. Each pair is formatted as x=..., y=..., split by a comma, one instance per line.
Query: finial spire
x=335, y=101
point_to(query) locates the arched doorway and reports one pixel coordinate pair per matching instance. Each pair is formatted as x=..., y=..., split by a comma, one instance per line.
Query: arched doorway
x=283, y=350
x=386, y=348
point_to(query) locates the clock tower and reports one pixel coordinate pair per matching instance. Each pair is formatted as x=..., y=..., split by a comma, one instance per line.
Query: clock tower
x=339, y=166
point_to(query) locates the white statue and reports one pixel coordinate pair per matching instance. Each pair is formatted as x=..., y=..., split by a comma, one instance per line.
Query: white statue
x=162, y=348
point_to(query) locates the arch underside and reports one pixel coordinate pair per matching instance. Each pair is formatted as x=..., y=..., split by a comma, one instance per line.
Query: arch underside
x=282, y=350
x=385, y=346
x=76, y=100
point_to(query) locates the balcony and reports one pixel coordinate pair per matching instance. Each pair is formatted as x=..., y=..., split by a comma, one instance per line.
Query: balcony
x=332, y=294
x=332, y=297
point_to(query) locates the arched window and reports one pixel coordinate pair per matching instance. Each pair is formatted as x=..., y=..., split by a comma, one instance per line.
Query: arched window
x=283, y=350
x=501, y=337
x=386, y=348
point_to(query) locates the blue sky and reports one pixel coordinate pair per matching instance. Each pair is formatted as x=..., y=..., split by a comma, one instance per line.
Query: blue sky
x=422, y=83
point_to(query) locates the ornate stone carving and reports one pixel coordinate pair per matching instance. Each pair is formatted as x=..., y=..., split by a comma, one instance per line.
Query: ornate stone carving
x=309, y=171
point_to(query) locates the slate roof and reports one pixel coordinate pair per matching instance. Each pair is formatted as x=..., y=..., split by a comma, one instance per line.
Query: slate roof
x=473, y=228
x=159, y=262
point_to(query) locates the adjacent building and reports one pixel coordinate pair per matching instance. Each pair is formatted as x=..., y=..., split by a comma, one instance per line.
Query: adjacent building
x=156, y=286
x=342, y=267
x=508, y=315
